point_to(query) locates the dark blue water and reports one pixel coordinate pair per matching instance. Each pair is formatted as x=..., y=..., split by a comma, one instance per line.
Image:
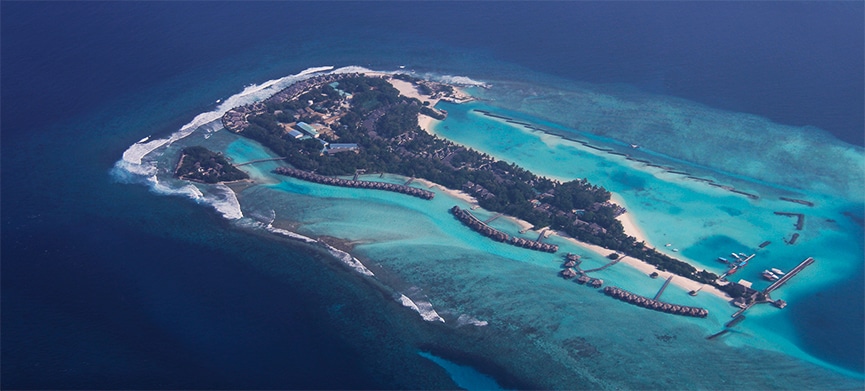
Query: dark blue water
x=107, y=286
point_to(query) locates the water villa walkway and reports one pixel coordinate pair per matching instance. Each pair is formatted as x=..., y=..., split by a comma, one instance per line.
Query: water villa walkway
x=658, y=295
x=597, y=269
x=273, y=159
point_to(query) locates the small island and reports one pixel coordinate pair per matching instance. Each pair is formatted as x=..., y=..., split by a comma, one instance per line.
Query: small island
x=200, y=164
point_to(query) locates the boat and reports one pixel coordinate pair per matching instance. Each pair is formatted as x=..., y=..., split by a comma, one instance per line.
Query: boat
x=735, y=255
x=675, y=250
x=777, y=271
x=769, y=275
x=722, y=259
x=635, y=146
x=668, y=244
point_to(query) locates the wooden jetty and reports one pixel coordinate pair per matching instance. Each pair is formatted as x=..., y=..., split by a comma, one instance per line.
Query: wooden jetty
x=541, y=236
x=718, y=334
x=735, y=321
x=793, y=238
x=260, y=161
x=491, y=219
x=764, y=244
x=775, y=285
x=800, y=218
x=326, y=180
x=801, y=202
x=792, y=273
x=597, y=269
x=660, y=291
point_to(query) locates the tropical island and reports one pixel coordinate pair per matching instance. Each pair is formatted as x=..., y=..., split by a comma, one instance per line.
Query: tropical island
x=348, y=124
x=200, y=164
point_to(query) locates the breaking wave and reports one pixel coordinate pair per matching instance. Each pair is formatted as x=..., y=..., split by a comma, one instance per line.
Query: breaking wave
x=424, y=308
x=349, y=260
x=462, y=81
x=289, y=234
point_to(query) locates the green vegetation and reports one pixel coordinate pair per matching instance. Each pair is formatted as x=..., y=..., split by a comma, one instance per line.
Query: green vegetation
x=203, y=165
x=384, y=125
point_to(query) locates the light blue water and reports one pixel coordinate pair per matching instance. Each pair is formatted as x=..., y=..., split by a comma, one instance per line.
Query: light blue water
x=464, y=376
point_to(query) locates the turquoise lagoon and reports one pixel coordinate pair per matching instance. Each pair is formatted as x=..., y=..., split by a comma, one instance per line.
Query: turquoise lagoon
x=509, y=303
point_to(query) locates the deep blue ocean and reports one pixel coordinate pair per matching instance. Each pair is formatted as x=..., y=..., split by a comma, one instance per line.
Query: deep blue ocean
x=105, y=285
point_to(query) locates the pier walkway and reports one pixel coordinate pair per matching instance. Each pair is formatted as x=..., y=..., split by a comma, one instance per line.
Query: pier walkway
x=800, y=218
x=597, y=269
x=260, y=161
x=658, y=295
x=491, y=219
x=792, y=273
x=777, y=284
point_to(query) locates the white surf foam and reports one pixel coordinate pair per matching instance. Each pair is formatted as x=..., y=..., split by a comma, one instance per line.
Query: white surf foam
x=349, y=260
x=250, y=94
x=225, y=202
x=187, y=190
x=462, y=81
x=287, y=233
x=424, y=308
x=356, y=69
x=465, y=319
x=134, y=168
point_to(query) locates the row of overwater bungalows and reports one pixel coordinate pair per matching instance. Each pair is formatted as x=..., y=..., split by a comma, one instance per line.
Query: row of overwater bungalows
x=646, y=302
x=326, y=180
x=478, y=226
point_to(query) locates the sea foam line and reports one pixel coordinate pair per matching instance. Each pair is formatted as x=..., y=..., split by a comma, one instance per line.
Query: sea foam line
x=250, y=94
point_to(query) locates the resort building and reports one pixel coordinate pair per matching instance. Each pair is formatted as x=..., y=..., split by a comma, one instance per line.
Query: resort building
x=306, y=128
x=336, y=148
